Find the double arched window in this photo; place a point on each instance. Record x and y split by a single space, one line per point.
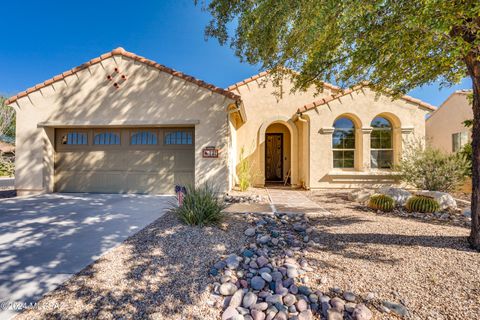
381 144
343 143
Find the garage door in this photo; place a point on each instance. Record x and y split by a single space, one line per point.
123 160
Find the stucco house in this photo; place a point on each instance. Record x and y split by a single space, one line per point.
123 123
445 129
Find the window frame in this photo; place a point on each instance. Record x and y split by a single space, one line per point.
154 131
391 149
343 150
61 132
461 135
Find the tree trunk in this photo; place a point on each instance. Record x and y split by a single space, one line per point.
473 65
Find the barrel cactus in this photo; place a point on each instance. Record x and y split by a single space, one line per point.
422 204
381 202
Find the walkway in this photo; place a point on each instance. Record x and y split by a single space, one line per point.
290 200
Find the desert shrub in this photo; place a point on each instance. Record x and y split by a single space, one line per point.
201 206
381 202
244 172
467 152
422 204
431 169
7 166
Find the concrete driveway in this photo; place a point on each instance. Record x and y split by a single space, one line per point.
45 239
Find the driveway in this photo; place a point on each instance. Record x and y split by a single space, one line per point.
45 239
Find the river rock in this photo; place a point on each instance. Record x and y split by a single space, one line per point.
361 312
227 289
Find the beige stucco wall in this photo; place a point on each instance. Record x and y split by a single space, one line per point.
147 97
312 165
447 120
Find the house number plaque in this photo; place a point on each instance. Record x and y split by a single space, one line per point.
210 152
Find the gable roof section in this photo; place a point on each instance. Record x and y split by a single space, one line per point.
331 98
264 74
457 92
122 52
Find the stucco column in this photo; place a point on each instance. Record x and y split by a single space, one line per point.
402 136
366 136
49 159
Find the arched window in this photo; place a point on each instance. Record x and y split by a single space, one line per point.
143 137
343 143
178 137
106 138
381 144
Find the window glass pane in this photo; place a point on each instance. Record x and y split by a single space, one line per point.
106 138
74 138
178 137
143 138
343 123
381 159
343 159
380 122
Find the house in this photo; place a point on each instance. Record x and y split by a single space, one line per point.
123 123
445 129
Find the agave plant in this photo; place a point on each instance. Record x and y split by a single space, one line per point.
381 202
201 206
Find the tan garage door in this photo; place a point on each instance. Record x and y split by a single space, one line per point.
124 160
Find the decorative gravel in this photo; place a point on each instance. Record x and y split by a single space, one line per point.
424 265
159 273
385 262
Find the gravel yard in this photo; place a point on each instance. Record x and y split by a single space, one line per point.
162 272
426 266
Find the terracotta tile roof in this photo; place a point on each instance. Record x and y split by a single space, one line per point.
346 92
122 52
263 74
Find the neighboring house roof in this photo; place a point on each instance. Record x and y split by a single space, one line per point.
6 147
120 51
457 92
344 93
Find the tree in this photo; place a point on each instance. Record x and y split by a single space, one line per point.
394 45
7 119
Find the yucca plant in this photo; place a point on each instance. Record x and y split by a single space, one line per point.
381 202
422 204
200 207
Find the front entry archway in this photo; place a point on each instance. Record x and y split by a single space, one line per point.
279 136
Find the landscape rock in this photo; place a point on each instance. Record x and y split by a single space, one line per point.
445 200
361 312
333 314
257 314
237 298
230 313
227 289
250 232
397 308
398 194
249 299
257 283
360 195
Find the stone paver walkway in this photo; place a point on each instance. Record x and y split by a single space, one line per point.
290 200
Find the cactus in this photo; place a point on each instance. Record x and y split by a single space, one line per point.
381 202
422 204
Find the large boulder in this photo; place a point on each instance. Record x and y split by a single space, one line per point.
360 195
398 194
444 199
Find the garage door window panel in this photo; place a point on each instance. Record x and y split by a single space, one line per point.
143 138
107 138
178 138
72 139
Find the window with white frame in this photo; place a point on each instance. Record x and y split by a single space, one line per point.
343 143
459 140
381 144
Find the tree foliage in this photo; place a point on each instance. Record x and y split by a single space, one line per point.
7 119
394 44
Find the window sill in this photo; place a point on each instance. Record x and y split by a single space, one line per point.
375 172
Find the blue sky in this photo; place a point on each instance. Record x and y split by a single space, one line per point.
40 39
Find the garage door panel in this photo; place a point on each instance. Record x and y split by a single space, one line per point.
123 168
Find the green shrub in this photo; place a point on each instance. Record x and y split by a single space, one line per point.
431 169
422 204
244 172
201 206
381 202
7 166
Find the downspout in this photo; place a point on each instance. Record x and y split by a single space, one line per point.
305 121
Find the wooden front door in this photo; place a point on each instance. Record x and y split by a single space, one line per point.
274 157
